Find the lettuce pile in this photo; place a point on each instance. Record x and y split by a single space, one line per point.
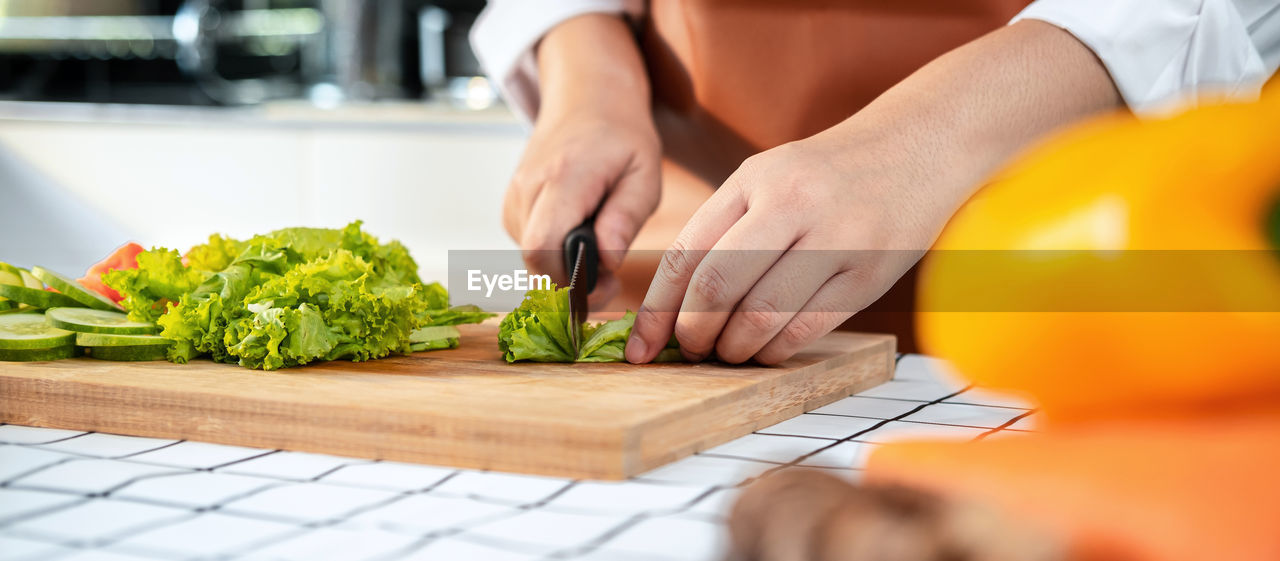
538 331
286 298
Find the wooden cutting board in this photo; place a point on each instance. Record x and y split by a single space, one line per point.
463 407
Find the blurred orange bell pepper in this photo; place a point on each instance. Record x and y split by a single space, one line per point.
1194 489
1125 268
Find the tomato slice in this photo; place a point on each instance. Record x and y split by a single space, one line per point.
124 257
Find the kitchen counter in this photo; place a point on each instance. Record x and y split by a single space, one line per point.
70 495
401 115
85 178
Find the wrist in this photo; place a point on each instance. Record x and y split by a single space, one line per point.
591 65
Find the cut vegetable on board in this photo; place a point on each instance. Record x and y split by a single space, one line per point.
31 331
538 331
97 321
129 353
27 337
286 298
74 290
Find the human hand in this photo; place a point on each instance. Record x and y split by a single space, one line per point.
573 165
594 149
802 514
800 237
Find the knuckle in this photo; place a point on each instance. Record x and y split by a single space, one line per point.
675 261
802 328
709 285
760 316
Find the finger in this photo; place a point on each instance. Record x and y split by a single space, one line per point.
657 316
560 207
775 299
829 307
727 273
515 206
625 209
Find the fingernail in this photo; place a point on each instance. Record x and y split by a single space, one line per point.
635 351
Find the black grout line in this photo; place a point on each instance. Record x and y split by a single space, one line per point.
762 433
43 443
853 437
1006 425
35 470
899 420
147 451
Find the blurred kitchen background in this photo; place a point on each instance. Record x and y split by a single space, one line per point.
163 121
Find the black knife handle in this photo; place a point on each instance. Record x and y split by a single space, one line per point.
585 232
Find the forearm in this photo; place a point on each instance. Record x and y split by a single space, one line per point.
592 63
959 118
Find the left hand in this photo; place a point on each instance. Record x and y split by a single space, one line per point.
801 237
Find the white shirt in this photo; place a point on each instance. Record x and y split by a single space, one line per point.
1161 54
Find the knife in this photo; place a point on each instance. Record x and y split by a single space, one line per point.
582 262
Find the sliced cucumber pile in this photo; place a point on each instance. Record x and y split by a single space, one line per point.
110 335
434 337
74 290
23 288
28 337
84 320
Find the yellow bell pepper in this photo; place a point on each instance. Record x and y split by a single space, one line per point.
1125 268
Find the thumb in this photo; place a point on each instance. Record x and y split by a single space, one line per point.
625 209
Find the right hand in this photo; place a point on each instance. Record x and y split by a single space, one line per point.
578 161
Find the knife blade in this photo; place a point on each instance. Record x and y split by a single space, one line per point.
582 259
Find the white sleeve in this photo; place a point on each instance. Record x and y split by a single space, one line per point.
1166 54
507 31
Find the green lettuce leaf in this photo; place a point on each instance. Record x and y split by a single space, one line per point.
160 278
538 331
330 308
214 255
288 298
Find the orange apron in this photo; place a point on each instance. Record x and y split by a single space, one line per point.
731 78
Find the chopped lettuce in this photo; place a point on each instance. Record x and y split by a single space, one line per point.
160 278
287 298
538 331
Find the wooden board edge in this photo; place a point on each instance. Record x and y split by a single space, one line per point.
879 361
78 405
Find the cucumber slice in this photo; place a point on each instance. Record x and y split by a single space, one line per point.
437 344
433 332
37 298
97 321
74 290
130 352
30 280
31 355
10 274
6 304
31 331
113 340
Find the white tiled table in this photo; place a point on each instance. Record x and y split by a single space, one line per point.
75 496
